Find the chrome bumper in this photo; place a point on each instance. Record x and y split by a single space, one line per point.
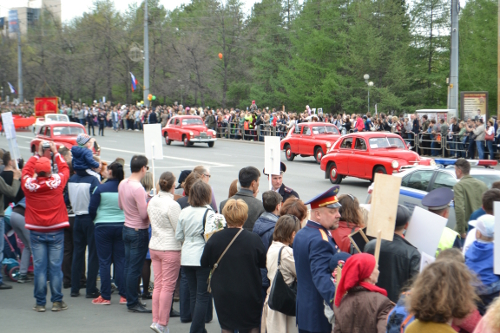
203 140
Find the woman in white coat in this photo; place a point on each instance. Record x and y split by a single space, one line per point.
284 232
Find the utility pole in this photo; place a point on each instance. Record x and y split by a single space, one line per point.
146 56
455 6
498 64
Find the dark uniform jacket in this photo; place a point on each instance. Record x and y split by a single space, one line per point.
313 247
286 192
399 262
255 207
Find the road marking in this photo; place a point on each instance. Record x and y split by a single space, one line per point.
213 164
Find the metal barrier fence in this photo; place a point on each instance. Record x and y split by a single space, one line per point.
236 131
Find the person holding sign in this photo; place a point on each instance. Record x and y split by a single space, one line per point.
313 248
278 186
399 260
438 202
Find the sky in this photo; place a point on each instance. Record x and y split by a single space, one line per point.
75 8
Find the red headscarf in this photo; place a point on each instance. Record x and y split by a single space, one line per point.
356 269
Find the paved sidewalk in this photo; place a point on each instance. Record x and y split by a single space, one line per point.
17 315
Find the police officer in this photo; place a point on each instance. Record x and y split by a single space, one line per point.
313 248
278 186
438 202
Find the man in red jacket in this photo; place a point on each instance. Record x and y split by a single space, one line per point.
46 217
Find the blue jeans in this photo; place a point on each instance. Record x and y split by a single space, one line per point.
2 232
83 236
136 247
199 296
491 152
480 149
110 248
435 151
185 301
115 125
48 250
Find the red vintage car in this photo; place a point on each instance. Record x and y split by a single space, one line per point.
309 139
363 154
189 130
62 134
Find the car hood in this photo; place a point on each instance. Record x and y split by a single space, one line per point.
401 154
197 128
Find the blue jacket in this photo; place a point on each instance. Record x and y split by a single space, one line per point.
313 248
479 259
83 158
80 186
103 207
264 227
477 214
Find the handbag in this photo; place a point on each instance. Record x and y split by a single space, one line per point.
209 288
282 297
489 137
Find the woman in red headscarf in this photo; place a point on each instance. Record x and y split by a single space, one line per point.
360 306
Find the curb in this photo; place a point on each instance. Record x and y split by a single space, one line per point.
241 141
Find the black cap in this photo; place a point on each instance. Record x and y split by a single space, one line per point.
282 169
403 216
183 176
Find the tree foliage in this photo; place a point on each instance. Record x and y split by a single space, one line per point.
282 53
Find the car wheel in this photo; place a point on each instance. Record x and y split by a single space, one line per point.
333 174
211 144
185 140
318 154
379 169
288 152
167 140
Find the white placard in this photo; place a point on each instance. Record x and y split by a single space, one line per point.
152 138
8 125
426 261
272 155
425 230
496 251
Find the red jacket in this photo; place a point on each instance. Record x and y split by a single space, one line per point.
359 124
45 207
341 235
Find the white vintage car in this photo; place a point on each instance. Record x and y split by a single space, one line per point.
49 118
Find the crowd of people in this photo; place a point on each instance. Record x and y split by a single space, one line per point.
267 265
434 136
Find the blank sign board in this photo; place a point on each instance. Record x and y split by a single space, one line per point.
496 253
384 206
272 155
152 138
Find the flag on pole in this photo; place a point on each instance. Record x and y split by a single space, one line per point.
134 81
12 90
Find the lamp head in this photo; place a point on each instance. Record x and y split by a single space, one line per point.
366 76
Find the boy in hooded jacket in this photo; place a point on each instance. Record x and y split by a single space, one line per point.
83 158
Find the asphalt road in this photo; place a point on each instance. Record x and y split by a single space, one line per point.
225 159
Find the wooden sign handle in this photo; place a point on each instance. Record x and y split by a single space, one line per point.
377 246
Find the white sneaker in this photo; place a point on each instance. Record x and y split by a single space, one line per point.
156 327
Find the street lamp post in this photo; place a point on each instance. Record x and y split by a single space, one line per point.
370 84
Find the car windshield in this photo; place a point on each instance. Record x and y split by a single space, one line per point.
192 121
67 130
325 130
487 179
386 142
57 117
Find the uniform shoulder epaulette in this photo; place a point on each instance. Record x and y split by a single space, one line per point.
288 189
323 235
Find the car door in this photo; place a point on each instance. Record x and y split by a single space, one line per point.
305 141
446 179
295 138
173 132
414 187
357 163
343 156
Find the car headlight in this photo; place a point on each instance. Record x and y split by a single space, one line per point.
328 145
433 163
395 164
191 133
